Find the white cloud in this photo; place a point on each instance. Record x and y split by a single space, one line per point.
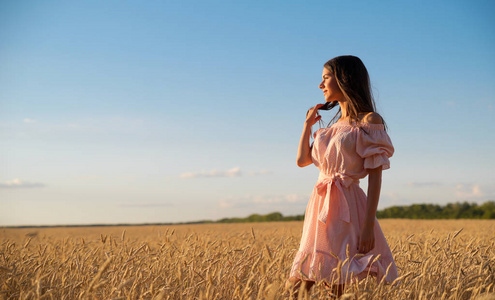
425 184
225 204
101 178
392 196
19 184
468 191
145 205
292 198
234 172
261 172
28 120
251 201
108 124
389 198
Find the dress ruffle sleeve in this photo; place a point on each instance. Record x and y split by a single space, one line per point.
374 145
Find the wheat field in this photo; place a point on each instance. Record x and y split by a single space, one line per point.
437 259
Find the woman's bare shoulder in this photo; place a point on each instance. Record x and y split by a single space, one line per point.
372 118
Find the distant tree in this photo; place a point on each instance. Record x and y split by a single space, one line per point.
273 217
463 210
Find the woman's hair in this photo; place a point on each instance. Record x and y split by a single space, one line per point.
354 82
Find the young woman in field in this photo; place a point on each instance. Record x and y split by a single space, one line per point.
342 240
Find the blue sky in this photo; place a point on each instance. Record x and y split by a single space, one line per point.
169 111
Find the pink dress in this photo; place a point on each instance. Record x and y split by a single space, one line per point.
337 207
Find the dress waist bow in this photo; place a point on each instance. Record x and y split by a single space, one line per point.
324 186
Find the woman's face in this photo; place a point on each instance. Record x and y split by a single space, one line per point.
330 88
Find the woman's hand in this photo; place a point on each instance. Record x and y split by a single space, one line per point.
367 237
366 240
304 150
312 115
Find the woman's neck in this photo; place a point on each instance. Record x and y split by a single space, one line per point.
343 110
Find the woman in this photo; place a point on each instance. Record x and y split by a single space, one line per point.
341 238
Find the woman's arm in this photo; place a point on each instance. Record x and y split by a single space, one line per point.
367 237
304 150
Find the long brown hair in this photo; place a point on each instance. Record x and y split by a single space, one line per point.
354 82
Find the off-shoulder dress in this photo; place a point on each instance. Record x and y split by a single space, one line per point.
336 210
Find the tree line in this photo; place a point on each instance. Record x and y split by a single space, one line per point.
272 217
463 210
